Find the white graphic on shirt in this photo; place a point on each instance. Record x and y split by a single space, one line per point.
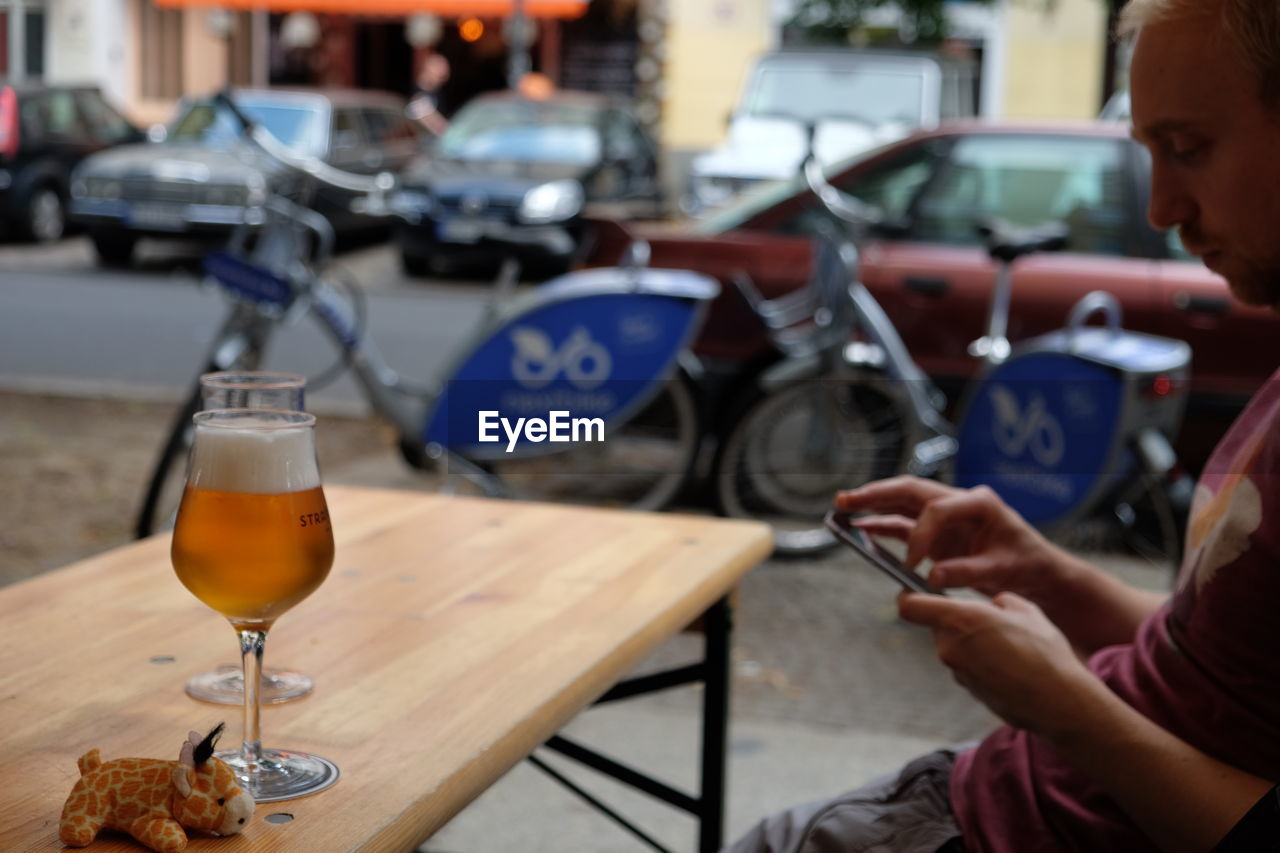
1221 523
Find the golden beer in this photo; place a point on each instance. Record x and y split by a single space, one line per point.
250 556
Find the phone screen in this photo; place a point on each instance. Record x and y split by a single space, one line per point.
858 540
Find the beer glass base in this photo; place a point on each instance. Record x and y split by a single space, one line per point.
282 774
225 686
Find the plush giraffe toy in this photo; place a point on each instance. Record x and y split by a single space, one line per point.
152 799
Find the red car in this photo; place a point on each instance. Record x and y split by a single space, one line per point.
934 278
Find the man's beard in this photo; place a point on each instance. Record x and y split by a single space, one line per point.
1255 284
1251 282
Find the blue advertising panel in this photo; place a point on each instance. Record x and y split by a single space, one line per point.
575 365
1040 432
246 280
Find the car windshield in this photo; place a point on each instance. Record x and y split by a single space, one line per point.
207 123
877 95
523 132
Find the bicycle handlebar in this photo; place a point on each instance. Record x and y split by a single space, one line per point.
841 204
377 185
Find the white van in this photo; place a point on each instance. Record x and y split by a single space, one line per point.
855 99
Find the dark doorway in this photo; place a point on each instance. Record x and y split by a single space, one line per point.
384 60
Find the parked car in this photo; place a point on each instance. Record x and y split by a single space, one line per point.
855 100
932 275
204 178
515 175
44 132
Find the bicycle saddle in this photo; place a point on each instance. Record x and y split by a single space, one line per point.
1008 242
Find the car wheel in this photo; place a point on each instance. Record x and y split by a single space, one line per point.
415 265
114 248
45 217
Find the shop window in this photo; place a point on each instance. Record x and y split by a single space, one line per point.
34 42
160 51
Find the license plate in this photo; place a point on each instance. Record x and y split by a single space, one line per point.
460 230
160 217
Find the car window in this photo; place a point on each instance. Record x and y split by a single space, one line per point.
1027 180
301 127
105 124
348 130
521 131
389 125
52 117
893 186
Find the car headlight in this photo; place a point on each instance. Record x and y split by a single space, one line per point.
551 202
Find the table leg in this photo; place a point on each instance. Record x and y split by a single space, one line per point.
713 671
715 725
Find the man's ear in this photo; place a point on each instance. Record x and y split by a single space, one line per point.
183 778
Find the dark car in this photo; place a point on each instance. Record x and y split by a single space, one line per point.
514 176
44 132
934 278
204 178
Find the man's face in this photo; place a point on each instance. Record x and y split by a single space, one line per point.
1215 150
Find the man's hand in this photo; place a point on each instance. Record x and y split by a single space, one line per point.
1009 655
974 539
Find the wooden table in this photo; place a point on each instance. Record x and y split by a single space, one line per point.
452 637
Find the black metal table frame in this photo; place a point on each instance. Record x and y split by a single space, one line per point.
709 806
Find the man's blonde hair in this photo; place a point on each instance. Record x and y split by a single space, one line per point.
1251 27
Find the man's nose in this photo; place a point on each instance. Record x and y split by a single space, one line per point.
1170 204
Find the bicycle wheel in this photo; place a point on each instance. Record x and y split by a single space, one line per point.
641 464
1152 512
793 449
164 488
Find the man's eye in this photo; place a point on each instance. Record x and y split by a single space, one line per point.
1186 153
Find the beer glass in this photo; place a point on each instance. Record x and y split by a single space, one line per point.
251 540
251 389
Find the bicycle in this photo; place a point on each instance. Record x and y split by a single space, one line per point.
866 411
606 344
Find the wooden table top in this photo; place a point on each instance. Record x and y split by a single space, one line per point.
452 637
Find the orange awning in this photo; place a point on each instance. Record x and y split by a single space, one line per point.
443 8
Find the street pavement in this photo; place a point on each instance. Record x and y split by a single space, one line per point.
829 688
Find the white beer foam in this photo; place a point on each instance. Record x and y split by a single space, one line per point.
254 461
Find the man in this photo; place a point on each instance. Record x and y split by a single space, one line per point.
424 104
1133 724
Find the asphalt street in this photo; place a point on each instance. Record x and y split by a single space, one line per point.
69 327
829 689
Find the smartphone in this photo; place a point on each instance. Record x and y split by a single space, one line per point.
857 539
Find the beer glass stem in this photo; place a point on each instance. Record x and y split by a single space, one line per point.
251 644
